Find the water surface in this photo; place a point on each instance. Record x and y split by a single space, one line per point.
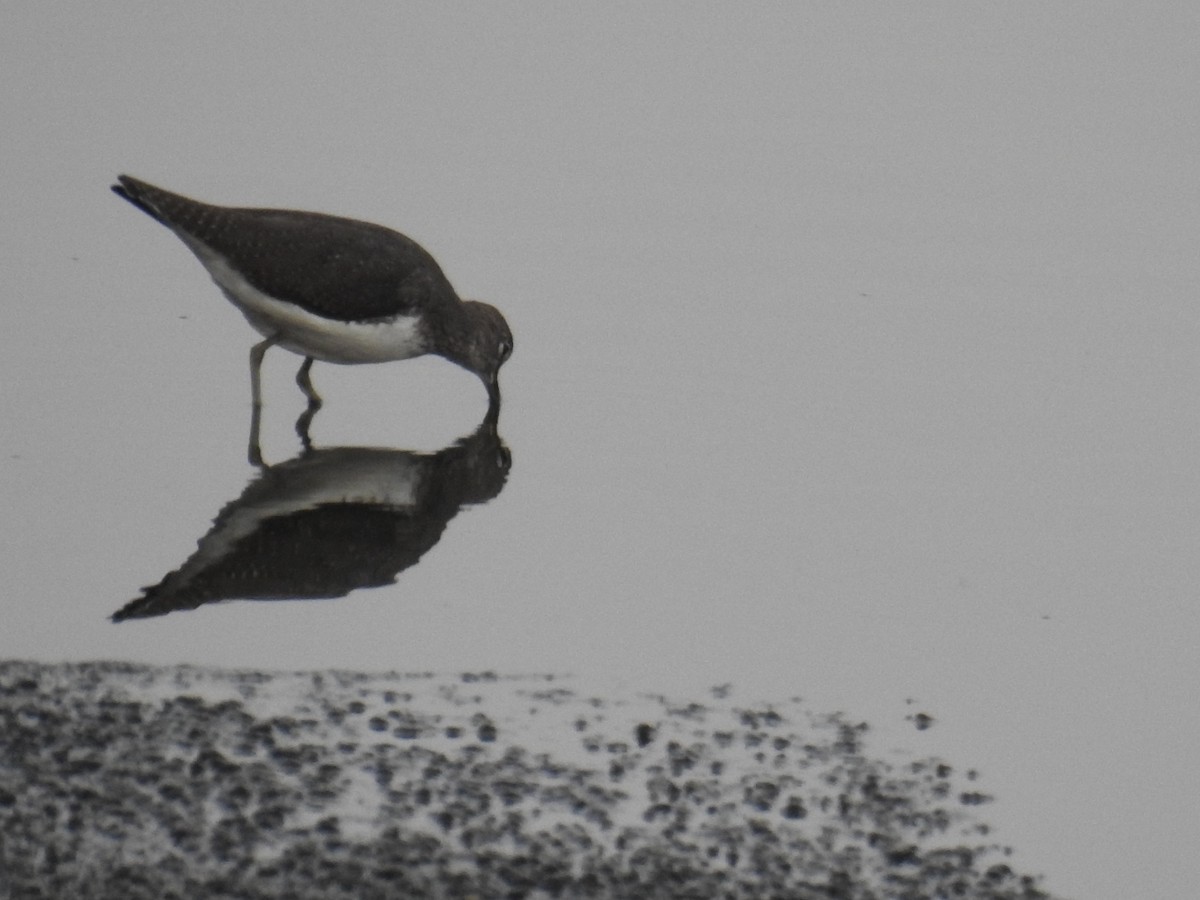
855 361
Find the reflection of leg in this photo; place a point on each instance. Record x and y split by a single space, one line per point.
305 381
314 402
254 454
302 424
256 357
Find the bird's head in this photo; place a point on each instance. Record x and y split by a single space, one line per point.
486 344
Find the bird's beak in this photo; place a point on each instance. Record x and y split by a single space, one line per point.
492 382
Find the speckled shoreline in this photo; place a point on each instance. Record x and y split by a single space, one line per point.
130 781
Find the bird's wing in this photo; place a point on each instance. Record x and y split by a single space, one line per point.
334 267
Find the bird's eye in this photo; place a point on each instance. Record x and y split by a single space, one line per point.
505 350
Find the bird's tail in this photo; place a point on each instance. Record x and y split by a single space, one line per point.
153 201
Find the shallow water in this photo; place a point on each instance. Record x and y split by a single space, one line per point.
855 361
146 782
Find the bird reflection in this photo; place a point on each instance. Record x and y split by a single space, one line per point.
329 521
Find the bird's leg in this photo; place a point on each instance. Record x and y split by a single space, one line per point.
305 381
254 454
314 402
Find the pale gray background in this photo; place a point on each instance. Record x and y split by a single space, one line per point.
856 359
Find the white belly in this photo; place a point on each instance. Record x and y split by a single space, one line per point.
300 331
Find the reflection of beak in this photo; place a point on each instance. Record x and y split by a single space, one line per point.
492 383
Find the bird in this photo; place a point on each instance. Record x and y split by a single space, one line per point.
330 288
